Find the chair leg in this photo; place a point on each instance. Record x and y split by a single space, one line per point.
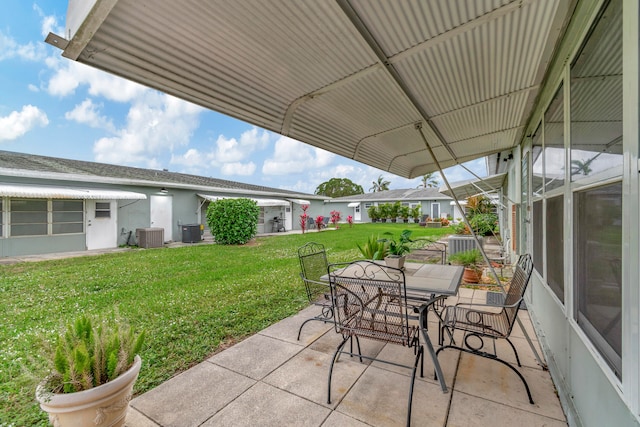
333 360
419 358
492 357
514 351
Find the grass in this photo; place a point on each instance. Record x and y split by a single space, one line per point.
191 301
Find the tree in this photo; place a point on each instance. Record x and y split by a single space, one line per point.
380 185
581 167
233 221
429 180
338 187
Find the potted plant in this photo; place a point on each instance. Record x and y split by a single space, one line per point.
394 211
94 370
415 214
470 260
397 248
373 213
383 211
404 213
374 249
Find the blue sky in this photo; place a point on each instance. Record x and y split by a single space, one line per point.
52 106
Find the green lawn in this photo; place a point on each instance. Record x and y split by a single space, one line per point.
189 300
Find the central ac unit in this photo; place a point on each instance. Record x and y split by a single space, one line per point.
150 237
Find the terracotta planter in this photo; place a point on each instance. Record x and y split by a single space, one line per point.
471 275
394 261
102 406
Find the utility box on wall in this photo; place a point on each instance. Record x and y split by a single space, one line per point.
150 237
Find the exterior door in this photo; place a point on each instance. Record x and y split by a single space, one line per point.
288 217
162 215
101 224
357 216
435 210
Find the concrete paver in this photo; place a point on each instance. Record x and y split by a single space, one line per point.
272 379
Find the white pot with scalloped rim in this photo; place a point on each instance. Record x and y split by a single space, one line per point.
102 406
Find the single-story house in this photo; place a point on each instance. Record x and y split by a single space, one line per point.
59 205
412 87
432 203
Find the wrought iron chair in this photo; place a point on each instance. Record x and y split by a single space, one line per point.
478 323
370 302
313 265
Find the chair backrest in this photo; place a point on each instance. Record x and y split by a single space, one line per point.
370 301
518 286
313 265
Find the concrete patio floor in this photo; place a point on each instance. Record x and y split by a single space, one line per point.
271 379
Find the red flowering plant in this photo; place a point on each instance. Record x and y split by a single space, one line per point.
350 220
335 218
304 218
319 222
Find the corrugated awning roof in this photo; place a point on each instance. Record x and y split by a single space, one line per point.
353 204
44 192
472 187
259 202
300 201
392 84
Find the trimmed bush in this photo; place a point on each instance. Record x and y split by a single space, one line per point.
233 221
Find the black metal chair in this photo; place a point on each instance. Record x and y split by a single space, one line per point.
481 323
313 265
370 302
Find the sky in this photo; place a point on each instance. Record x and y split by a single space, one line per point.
52 106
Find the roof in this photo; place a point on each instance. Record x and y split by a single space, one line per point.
407 87
472 187
29 165
407 194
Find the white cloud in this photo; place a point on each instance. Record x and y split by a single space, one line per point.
69 75
19 123
89 113
33 88
49 23
233 150
10 48
291 156
192 160
237 168
156 124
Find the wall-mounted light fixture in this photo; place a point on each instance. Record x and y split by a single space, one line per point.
164 190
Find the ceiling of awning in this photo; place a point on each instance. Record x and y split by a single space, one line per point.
44 192
391 84
472 187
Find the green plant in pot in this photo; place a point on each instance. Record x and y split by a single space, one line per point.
397 248
471 261
94 370
373 249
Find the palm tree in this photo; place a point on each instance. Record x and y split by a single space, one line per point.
380 185
581 167
429 180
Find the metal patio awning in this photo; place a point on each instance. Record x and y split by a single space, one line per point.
300 201
464 189
259 202
45 192
374 81
353 204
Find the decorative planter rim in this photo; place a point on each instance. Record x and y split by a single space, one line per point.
67 402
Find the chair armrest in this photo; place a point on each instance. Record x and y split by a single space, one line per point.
491 305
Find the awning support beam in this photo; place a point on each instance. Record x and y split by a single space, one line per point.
418 127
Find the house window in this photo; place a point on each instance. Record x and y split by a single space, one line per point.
555 245
554 156
103 210
598 257
28 217
368 205
68 216
596 171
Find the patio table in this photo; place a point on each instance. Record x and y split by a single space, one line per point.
426 285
